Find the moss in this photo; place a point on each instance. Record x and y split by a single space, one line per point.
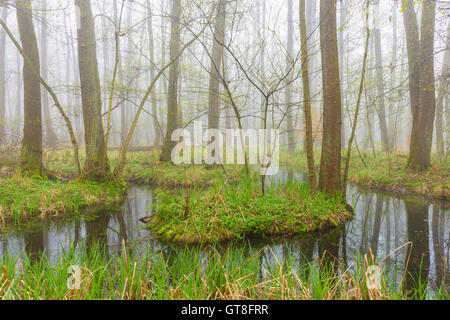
233 211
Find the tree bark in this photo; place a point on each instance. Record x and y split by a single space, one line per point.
50 135
216 62
96 165
443 90
31 154
2 80
172 100
307 98
330 162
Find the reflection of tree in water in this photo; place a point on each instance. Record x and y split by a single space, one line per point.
438 226
419 263
97 232
34 245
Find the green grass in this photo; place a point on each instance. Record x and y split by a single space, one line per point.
195 273
144 168
22 198
229 211
388 173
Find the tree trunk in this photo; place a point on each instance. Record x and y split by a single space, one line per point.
172 100
2 80
443 90
31 154
96 165
50 135
288 89
330 162
156 127
307 98
342 19
381 109
421 82
216 63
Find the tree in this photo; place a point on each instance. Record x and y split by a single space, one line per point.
2 80
307 97
443 87
172 100
31 154
49 132
330 162
216 60
421 81
288 89
381 109
96 165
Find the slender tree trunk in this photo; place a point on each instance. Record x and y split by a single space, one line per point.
172 100
381 109
288 89
443 91
96 165
330 162
50 135
307 98
2 79
156 127
216 62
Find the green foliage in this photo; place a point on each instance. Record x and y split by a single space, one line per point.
193 273
228 211
22 197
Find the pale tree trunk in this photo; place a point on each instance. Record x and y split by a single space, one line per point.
288 89
392 132
31 154
330 162
2 80
381 109
50 135
307 98
156 127
216 63
342 19
172 100
96 165
443 90
18 111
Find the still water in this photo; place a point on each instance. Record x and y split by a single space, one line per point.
381 222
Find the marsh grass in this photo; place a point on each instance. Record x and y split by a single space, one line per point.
229 211
22 198
388 173
144 167
194 273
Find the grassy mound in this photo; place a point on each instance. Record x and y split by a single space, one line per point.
230 211
22 198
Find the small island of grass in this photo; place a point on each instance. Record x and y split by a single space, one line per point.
232 211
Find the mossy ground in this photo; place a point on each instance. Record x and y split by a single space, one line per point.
389 173
229 211
22 198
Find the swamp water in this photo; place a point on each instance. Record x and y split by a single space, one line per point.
382 222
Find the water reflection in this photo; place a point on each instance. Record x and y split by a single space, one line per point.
381 222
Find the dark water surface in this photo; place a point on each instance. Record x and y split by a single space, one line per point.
382 222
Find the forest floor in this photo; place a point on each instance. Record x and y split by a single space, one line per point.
198 274
389 173
229 211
